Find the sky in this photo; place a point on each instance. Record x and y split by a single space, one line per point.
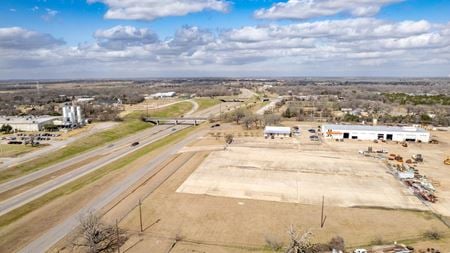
68 39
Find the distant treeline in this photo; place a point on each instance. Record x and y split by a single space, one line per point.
404 99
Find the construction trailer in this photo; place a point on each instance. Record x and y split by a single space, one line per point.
371 133
272 131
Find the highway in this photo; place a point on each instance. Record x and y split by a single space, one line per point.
113 147
51 237
112 154
9 162
107 154
55 145
117 147
55 234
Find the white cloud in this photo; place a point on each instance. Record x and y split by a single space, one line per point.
153 9
305 9
16 38
120 37
332 47
50 14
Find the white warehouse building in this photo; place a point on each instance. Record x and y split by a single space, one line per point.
27 123
277 131
367 132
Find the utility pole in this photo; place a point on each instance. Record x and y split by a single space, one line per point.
322 217
140 215
117 236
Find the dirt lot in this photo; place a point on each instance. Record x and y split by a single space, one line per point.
205 223
291 175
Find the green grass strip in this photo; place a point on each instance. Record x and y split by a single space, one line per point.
91 177
131 124
204 103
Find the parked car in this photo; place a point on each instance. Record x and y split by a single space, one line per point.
314 138
215 125
312 131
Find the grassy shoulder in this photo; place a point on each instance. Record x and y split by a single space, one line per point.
131 123
204 103
91 177
174 110
9 150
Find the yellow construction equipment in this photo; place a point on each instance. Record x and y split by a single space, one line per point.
447 161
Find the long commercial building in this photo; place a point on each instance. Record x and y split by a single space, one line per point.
367 132
277 131
27 123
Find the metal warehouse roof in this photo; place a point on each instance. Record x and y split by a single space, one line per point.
374 128
25 119
277 130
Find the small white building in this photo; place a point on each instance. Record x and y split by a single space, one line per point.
277 131
162 95
85 99
367 132
27 123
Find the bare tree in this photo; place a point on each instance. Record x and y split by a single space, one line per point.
271 119
238 114
299 243
249 120
94 236
337 243
229 138
274 243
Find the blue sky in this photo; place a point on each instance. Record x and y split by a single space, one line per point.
79 22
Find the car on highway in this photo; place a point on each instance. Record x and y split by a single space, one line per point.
134 144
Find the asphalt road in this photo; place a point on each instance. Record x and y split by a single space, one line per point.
117 148
44 242
9 162
113 154
113 147
55 145
55 234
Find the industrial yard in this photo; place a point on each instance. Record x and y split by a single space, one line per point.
180 173
296 176
257 187
298 170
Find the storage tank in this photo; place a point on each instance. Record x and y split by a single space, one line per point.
73 115
65 111
79 116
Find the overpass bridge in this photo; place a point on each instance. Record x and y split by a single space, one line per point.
176 121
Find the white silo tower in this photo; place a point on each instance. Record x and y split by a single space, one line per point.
79 116
73 119
66 117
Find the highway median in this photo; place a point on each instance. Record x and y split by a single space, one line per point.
73 186
131 124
